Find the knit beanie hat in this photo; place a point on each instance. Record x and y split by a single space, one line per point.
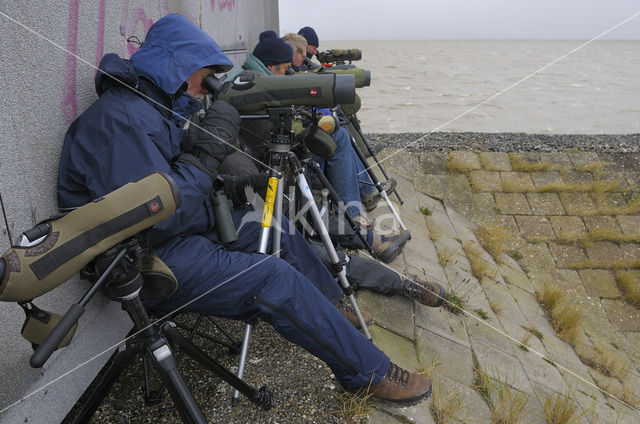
272 50
310 35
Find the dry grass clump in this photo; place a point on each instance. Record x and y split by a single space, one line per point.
353 406
496 307
430 369
494 238
480 267
629 282
435 232
524 343
604 234
595 168
593 264
445 256
507 405
592 187
518 163
446 405
459 165
605 359
632 208
565 316
561 409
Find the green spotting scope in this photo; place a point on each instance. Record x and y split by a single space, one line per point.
250 93
339 55
53 251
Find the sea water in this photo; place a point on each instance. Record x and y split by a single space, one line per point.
553 87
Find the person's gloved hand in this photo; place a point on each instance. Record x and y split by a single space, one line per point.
215 135
234 187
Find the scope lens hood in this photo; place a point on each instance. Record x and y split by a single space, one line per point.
344 91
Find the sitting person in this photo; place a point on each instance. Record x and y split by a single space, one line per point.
312 48
128 133
272 56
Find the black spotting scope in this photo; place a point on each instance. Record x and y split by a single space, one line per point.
339 55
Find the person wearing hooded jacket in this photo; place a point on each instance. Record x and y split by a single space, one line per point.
128 133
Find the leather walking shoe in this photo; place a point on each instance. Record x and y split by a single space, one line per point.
401 386
427 293
370 202
364 222
346 308
388 247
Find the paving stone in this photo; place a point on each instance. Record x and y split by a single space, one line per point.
545 204
376 416
559 158
615 176
535 228
512 204
433 185
568 225
536 257
439 226
413 413
442 322
430 202
630 224
541 179
482 207
485 180
454 360
467 159
608 223
457 220
609 200
391 312
500 297
543 393
566 255
403 163
577 203
400 350
516 277
604 252
576 177
622 315
579 159
433 162
599 283
516 181
539 370
507 221
489 332
630 251
495 161
418 250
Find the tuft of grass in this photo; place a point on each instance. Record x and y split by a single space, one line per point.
453 303
595 168
496 307
494 238
515 254
518 163
605 359
425 211
565 316
445 405
430 369
353 407
435 232
630 285
481 313
561 409
535 332
507 405
458 165
445 256
480 267
525 342
591 264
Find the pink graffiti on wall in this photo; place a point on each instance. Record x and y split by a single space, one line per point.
139 23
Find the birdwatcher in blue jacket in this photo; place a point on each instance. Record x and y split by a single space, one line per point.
129 133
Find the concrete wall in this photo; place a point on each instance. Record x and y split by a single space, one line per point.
42 90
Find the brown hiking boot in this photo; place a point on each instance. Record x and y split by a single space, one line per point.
388 247
370 202
401 386
427 293
346 308
364 222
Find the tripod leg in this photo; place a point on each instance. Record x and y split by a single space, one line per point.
354 121
376 182
326 240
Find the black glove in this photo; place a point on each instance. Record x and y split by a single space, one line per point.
214 136
234 187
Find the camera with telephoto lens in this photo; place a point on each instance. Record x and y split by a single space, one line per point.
339 55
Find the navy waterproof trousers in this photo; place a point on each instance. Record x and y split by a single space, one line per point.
295 294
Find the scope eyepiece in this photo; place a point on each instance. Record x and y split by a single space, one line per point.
212 84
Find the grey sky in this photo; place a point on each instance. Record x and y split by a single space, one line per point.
461 19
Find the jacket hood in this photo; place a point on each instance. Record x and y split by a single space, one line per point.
175 48
115 71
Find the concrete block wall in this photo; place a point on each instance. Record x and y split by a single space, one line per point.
43 88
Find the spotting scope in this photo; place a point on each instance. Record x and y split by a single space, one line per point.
339 55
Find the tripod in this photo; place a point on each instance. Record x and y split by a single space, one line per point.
282 138
122 282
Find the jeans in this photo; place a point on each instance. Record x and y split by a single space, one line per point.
342 170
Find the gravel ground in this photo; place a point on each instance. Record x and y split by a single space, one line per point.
510 142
